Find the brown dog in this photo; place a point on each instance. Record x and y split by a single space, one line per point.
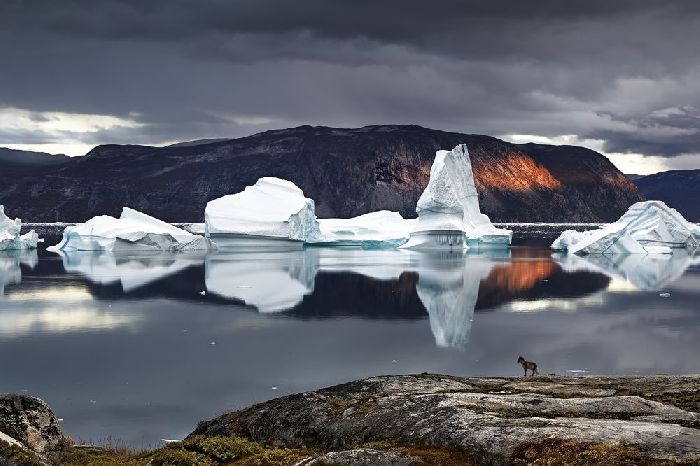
528 365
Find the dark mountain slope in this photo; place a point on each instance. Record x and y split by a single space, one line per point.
588 178
347 171
679 189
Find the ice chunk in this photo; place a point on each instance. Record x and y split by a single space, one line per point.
132 231
370 231
10 238
647 227
271 208
448 210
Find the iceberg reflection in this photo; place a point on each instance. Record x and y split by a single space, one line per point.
10 266
644 271
132 271
332 282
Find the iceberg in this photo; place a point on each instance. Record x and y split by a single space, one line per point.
133 231
374 230
271 209
448 210
649 227
10 238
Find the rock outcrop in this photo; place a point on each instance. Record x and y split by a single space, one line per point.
348 172
489 419
28 424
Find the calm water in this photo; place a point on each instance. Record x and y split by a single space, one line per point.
140 348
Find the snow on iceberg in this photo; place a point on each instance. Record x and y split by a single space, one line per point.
132 231
272 208
10 238
649 227
370 231
448 210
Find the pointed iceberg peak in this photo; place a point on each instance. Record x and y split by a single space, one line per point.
648 227
448 210
10 238
272 208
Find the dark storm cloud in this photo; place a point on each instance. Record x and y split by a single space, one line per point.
597 69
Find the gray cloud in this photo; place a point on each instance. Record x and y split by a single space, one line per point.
597 69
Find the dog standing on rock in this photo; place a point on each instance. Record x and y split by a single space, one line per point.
528 365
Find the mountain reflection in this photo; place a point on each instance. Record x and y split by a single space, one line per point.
329 283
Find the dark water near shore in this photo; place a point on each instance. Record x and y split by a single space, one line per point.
141 348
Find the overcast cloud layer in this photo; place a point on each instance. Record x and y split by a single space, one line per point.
619 76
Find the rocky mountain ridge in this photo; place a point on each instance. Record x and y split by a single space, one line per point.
347 172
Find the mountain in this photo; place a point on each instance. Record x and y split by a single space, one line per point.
346 171
634 177
26 162
679 189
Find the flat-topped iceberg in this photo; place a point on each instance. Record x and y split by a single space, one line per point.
10 238
448 210
132 231
272 209
647 227
373 230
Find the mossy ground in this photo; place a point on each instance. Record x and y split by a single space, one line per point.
558 452
205 451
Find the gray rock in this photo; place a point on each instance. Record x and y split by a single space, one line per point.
485 417
363 457
31 422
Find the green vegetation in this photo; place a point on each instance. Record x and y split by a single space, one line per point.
12 454
206 451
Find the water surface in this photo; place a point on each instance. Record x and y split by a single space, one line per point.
141 348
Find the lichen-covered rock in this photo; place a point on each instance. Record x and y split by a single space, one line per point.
363 457
30 427
488 419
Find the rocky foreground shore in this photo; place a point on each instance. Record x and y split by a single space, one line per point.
414 419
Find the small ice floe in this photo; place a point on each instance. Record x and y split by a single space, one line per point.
202 293
93 401
665 295
577 371
212 343
169 440
245 286
394 361
274 388
60 419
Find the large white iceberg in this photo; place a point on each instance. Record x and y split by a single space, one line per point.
448 210
647 227
271 209
373 230
10 238
132 231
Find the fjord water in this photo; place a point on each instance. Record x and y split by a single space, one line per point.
140 348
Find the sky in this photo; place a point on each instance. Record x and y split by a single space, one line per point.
621 77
